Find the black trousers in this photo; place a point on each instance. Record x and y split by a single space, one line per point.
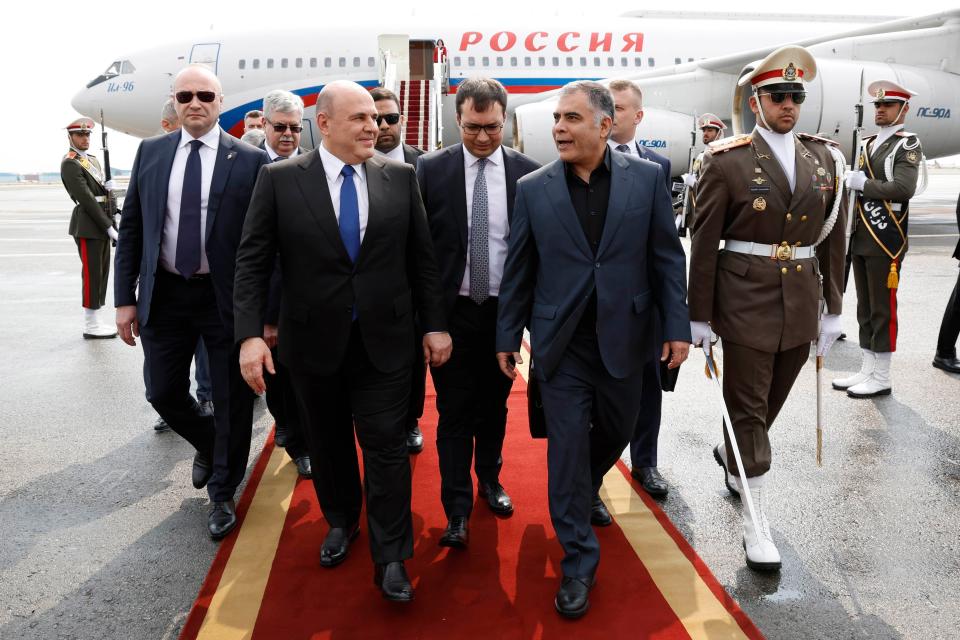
418 381
581 391
950 325
379 403
643 444
181 312
472 402
282 403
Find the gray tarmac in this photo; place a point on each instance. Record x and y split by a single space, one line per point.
102 536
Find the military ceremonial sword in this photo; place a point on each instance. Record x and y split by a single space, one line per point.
819 412
712 373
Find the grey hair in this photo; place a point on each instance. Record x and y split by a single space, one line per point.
282 101
168 112
254 137
601 100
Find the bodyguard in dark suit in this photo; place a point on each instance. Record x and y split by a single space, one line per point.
593 254
946 356
182 218
390 123
468 191
357 261
628 102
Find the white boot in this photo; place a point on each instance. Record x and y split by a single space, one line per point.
94 329
762 554
866 368
878 384
720 455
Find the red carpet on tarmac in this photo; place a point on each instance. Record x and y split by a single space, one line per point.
266 582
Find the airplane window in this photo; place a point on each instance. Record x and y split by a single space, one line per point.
299 63
499 61
542 61
242 64
569 61
269 63
583 61
356 61
256 63
649 62
677 61
371 61
689 59
313 62
456 61
527 61
327 62
127 67
623 62
486 61
596 61
342 62
556 61
284 62
610 62
471 61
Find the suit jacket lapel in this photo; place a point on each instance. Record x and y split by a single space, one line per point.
559 196
804 168
312 181
510 173
221 171
168 149
771 166
620 188
458 190
379 201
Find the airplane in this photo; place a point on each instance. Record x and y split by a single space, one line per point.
685 63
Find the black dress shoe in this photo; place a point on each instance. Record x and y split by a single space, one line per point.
949 364
222 519
202 470
599 516
392 580
572 599
651 481
161 425
414 439
497 498
455 535
282 436
304 468
206 408
337 544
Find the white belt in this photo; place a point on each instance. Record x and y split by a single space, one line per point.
782 251
100 198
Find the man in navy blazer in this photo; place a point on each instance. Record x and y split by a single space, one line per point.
628 103
181 224
593 254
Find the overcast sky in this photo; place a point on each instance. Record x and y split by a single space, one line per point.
52 49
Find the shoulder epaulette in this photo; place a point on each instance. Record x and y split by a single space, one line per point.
70 155
904 134
725 144
813 138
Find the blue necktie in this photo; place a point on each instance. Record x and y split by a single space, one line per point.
188 233
349 214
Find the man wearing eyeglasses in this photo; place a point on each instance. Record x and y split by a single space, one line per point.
468 191
390 144
283 122
182 217
774 198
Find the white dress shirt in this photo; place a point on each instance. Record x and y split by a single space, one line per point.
883 135
631 147
332 166
498 225
171 221
274 155
394 154
784 150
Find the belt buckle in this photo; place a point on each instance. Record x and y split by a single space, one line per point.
784 252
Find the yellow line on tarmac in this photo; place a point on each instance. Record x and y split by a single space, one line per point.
236 603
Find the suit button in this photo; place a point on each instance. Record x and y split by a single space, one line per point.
803 218
597 265
783 271
789 217
799 267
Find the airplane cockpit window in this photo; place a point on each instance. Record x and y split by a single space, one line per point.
115 69
127 67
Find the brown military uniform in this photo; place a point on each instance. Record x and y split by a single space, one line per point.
766 309
83 179
876 301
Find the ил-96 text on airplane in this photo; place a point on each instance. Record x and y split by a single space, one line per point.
685 64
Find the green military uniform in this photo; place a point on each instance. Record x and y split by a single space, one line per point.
83 179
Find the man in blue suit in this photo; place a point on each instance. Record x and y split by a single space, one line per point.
182 219
593 252
628 105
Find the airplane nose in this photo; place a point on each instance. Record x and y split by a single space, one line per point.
82 103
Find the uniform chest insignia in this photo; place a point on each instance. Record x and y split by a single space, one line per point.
764 156
757 170
806 154
758 180
912 156
821 171
760 204
759 189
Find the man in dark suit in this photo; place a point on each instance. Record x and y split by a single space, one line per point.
390 123
946 356
357 261
182 218
593 255
628 103
468 191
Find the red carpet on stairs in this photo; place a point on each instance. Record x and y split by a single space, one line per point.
502 586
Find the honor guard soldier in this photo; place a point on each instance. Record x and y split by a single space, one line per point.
773 197
91 225
712 128
886 178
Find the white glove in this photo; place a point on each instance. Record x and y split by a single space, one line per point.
109 185
701 335
855 180
112 233
830 329
689 179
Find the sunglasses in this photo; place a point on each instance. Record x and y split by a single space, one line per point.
280 127
391 118
797 96
186 97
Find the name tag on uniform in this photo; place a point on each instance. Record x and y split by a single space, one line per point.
759 189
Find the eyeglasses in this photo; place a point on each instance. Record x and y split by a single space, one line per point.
797 96
475 129
391 118
280 127
186 97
